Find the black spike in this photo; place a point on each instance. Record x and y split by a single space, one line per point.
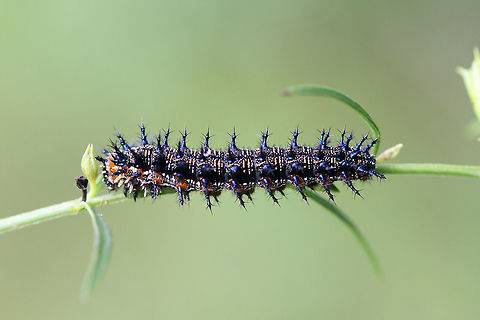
159 140
363 171
179 148
353 153
345 140
206 139
349 183
342 137
143 134
322 135
241 201
100 159
181 196
264 140
182 144
208 202
370 145
360 143
299 188
239 197
323 143
122 141
377 174
206 194
349 139
326 188
135 194
233 141
166 135
119 155
114 146
294 139
271 194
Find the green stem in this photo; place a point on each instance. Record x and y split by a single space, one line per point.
55 211
437 169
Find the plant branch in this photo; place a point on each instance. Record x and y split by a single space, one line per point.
55 211
437 169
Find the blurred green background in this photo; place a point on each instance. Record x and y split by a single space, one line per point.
73 71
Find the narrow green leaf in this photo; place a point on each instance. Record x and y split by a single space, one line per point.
350 225
314 90
102 247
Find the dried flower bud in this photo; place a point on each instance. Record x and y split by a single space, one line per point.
390 153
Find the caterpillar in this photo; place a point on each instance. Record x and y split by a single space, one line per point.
150 166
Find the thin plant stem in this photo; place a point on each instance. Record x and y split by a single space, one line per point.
55 211
437 169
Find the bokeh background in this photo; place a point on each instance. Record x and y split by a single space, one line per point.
71 72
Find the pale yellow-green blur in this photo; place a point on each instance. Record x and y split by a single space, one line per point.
471 78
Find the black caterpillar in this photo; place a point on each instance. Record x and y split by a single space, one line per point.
151 166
